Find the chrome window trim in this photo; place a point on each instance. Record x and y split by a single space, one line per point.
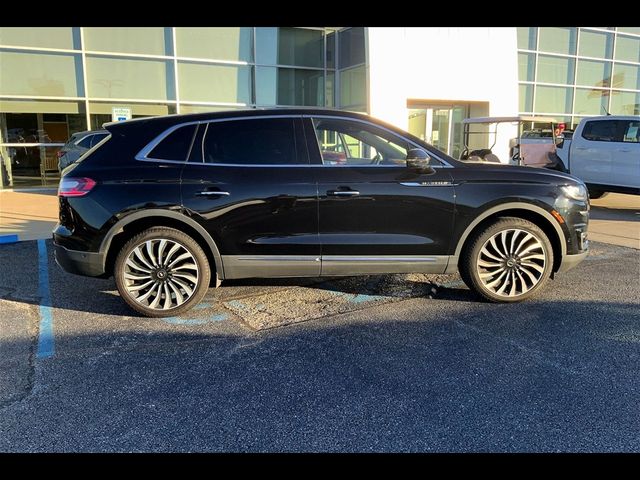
83 138
146 150
142 155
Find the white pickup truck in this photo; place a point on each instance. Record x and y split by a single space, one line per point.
604 152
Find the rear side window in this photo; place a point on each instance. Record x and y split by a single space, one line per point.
175 146
85 142
251 142
604 130
97 138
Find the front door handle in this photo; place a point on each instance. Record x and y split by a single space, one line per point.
624 150
212 192
343 193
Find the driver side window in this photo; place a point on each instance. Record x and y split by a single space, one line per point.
351 143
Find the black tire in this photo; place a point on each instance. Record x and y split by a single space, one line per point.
595 194
524 268
175 277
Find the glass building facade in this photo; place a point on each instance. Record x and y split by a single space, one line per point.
55 81
574 72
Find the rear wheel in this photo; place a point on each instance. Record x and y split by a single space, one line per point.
162 272
508 261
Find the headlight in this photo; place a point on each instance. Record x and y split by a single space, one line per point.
575 192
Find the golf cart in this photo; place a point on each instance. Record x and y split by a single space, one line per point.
532 147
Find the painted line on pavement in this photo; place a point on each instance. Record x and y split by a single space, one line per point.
46 345
9 238
195 321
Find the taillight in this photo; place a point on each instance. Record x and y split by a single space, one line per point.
75 187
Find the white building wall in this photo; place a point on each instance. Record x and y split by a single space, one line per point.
465 64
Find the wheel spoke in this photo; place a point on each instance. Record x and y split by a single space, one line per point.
531 276
146 295
512 292
497 280
523 242
533 256
186 266
513 240
186 276
535 266
136 288
184 286
486 253
491 274
161 247
503 238
495 247
486 264
172 250
135 266
156 300
184 256
167 298
151 256
131 276
140 256
179 296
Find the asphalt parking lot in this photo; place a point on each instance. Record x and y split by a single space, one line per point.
380 363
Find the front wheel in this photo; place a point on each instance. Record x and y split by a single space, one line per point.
508 261
162 272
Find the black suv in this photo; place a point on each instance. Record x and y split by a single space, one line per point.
170 205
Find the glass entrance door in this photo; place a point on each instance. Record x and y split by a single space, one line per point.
441 126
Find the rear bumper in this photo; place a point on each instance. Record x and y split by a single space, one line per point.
570 261
89 264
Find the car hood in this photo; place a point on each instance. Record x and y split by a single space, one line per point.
484 171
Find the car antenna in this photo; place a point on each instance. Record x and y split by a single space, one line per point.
605 110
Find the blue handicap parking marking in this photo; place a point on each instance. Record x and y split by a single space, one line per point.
219 317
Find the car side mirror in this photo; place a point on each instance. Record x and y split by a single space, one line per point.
418 159
559 142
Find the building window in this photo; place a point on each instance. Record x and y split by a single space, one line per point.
214 83
129 78
220 43
143 40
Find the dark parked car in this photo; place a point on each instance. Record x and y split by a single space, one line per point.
171 204
77 145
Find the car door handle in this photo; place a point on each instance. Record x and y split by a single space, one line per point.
343 193
581 148
212 192
624 150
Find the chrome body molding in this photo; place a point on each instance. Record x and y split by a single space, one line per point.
266 266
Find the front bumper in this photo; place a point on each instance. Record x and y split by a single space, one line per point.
570 261
89 264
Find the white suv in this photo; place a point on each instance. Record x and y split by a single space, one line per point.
605 154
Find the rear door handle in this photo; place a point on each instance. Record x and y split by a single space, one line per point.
343 193
581 148
624 150
212 192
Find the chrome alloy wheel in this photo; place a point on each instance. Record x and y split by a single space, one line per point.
511 262
161 274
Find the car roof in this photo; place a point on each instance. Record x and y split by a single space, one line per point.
88 132
249 112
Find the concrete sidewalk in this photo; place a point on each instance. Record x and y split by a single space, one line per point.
32 214
28 214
